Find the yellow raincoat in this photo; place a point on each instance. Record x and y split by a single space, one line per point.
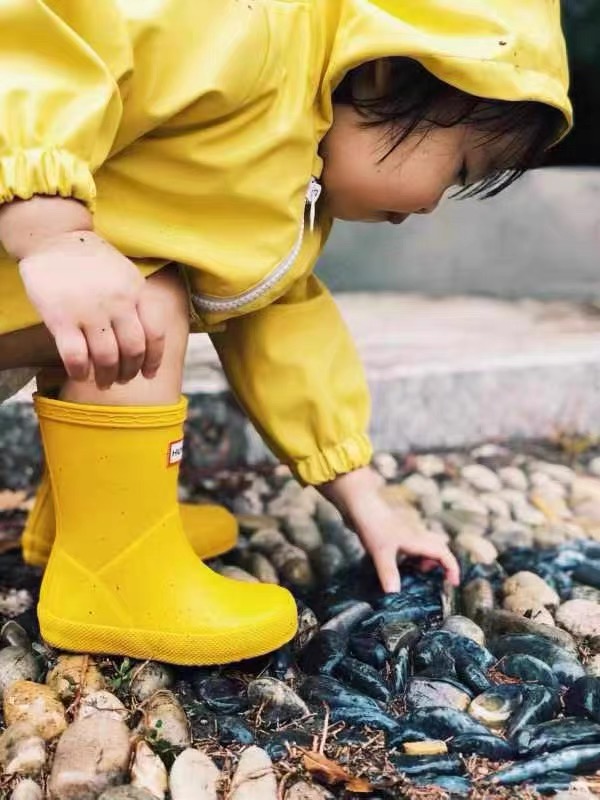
191 128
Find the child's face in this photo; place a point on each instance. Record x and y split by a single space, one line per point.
411 180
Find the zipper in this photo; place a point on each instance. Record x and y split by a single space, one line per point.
205 302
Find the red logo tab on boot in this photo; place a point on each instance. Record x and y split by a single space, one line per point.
175 453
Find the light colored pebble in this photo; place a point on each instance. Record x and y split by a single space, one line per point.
307 791
148 771
528 605
36 704
594 466
478 549
293 565
14 602
17 664
481 478
464 626
585 487
497 506
431 505
91 755
254 777
529 515
302 531
104 704
419 486
557 472
22 750
27 790
386 465
14 634
194 776
429 465
126 792
507 534
580 617
235 573
530 582
553 508
75 674
165 719
463 500
513 478
267 540
515 498
548 536
150 677
492 710
259 565
583 592
478 598
279 702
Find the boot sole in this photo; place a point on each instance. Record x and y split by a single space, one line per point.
173 648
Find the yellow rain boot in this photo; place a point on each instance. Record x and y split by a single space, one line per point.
122 576
212 530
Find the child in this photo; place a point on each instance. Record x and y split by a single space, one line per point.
136 136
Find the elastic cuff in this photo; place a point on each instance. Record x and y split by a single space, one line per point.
352 453
46 172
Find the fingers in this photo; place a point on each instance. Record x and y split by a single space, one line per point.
441 554
131 342
386 564
104 353
73 350
154 331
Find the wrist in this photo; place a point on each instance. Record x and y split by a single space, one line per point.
27 225
356 494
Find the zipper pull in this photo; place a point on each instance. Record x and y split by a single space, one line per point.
312 198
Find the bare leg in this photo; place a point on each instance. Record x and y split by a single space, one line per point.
34 347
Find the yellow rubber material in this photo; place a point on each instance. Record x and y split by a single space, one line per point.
212 530
122 577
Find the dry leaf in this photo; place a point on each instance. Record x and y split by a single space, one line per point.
333 773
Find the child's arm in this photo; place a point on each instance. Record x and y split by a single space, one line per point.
295 370
60 111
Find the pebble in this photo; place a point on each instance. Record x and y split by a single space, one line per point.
222 695
417 486
104 704
386 465
549 536
582 592
92 755
278 701
126 792
235 573
307 791
478 549
165 719
27 790
149 677
294 567
507 534
14 602
529 515
478 598
425 692
594 466
493 709
14 634
22 750
531 583
592 668
302 531
36 704
464 626
254 777
348 619
259 565
148 771
557 472
528 605
194 776
579 617
427 748
513 478
328 561
75 675
429 465
497 506
17 663
481 478
463 500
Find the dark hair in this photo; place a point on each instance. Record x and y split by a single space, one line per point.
405 98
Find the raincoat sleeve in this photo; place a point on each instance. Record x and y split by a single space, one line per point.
59 103
294 369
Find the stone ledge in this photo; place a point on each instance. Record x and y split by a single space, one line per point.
444 373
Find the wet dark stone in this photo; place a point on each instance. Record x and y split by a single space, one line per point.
561 582
369 650
349 619
324 689
435 723
583 698
371 718
277 744
462 650
434 660
578 760
363 678
589 548
494 573
485 745
400 670
428 765
281 662
540 704
222 695
232 730
552 783
455 785
323 653
568 558
426 692
415 611
474 678
565 667
528 669
588 573
400 601
398 635
557 734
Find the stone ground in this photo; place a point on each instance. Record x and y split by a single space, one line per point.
544 497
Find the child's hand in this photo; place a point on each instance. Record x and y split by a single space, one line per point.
90 297
387 532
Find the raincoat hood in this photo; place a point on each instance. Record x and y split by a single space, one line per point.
497 49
